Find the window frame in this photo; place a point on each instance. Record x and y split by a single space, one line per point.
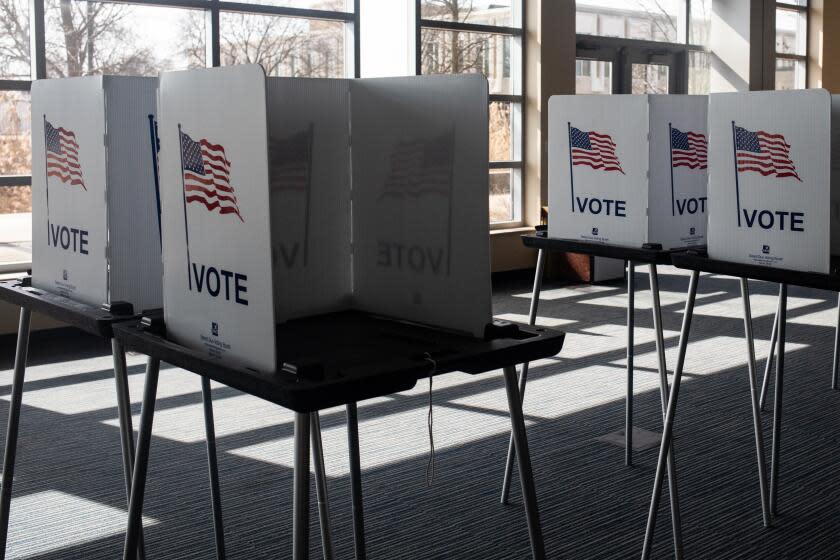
801 58
211 9
516 34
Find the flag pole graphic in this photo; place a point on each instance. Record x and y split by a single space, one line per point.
184 192
154 139
671 157
571 167
737 186
47 176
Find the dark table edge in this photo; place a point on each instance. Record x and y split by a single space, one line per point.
88 318
702 263
301 395
644 255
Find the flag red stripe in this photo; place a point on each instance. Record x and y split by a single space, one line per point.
64 170
67 179
190 176
216 155
595 157
210 193
766 160
217 167
600 144
773 136
601 166
72 162
214 205
606 137
219 178
72 148
769 172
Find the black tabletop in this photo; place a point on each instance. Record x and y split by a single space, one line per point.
338 358
700 261
94 320
648 254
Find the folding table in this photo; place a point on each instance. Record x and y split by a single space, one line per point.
98 322
339 359
698 262
653 256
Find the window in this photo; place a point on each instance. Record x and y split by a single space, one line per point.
791 44
651 46
593 76
483 36
312 38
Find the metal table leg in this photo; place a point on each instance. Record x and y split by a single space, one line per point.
213 468
523 455
835 368
777 404
676 523
628 414
523 377
126 429
300 522
756 411
141 461
321 486
768 367
356 482
12 429
668 428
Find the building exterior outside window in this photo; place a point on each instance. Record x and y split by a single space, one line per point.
483 36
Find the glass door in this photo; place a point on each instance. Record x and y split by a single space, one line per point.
603 68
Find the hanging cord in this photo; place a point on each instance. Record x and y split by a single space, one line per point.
430 466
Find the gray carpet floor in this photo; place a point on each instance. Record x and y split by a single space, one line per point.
69 498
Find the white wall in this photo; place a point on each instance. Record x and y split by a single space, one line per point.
387 38
730 45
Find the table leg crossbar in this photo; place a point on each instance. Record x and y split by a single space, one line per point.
676 523
523 376
10 453
768 495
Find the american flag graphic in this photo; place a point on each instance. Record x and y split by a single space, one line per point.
421 166
594 149
689 149
764 153
207 176
63 155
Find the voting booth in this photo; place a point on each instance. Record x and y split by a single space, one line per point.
95 217
628 169
773 199
284 198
